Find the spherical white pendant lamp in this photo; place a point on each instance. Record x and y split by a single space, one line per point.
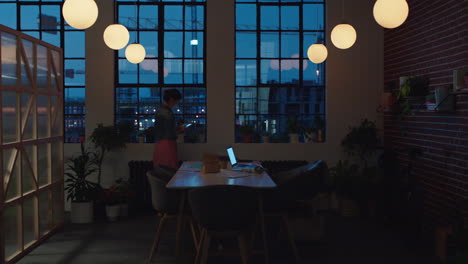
391 13
135 53
343 36
317 53
116 36
80 14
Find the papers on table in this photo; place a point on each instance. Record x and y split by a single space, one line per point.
191 166
234 174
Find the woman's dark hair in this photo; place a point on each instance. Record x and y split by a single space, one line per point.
172 94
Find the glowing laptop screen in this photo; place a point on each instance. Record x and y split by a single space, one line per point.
231 155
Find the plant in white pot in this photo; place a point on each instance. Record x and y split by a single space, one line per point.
112 201
79 190
110 138
319 125
141 137
266 137
293 128
310 134
125 193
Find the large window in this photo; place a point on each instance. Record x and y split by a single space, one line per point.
173 34
42 19
276 85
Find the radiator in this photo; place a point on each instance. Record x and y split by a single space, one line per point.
139 182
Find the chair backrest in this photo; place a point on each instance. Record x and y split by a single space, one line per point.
163 199
224 207
303 183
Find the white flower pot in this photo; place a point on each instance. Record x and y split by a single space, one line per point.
113 212
124 210
294 138
81 212
310 137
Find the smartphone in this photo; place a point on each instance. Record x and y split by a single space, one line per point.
187 125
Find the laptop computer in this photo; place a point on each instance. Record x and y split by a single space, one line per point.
235 164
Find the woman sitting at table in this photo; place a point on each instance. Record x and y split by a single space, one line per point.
165 148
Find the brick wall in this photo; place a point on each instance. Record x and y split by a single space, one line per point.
433 42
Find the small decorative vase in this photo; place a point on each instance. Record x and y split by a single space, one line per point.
320 137
113 212
310 137
266 139
141 139
124 210
294 138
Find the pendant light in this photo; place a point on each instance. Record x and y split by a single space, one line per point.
317 53
135 53
80 14
116 36
391 13
343 35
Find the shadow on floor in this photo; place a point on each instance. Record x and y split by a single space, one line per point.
128 241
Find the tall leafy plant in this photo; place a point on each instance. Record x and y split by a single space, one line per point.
79 168
108 138
361 141
293 126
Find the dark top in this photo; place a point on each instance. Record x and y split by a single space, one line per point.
165 124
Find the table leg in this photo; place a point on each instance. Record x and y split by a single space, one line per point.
180 220
262 227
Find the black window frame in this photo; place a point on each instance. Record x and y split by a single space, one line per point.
320 89
160 83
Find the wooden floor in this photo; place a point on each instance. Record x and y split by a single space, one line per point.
128 241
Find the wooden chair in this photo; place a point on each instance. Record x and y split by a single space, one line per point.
166 203
224 211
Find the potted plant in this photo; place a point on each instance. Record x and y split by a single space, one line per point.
413 89
345 180
79 189
247 132
124 193
430 102
266 137
319 125
112 202
293 128
108 138
361 143
141 137
149 134
310 134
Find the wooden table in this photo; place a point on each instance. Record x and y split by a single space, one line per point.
189 176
